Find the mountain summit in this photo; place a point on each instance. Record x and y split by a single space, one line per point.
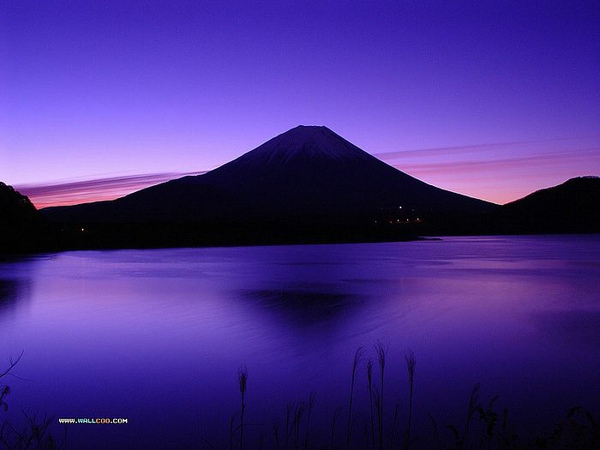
310 170
303 143
304 179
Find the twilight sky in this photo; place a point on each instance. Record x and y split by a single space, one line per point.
489 99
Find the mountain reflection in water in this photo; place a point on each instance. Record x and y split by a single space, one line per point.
158 336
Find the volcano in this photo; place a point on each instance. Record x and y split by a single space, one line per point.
307 177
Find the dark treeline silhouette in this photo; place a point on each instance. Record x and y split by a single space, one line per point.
307 185
22 228
572 207
568 208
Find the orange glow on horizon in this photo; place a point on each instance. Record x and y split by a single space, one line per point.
67 193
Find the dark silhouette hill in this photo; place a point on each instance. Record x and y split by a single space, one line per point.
305 172
307 184
571 207
21 226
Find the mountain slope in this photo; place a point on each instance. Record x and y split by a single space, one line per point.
312 170
305 185
305 173
571 207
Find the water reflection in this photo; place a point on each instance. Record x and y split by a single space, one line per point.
575 329
12 293
158 335
302 307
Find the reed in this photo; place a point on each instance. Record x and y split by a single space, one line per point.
357 357
35 432
489 417
243 380
298 413
370 387
394 424
471 410
311 401
336 415
483 428
5 390
276 434
288 415
381 351
231 431
410 365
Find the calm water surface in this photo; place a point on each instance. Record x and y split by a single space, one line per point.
158 336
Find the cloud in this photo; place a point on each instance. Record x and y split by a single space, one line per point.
71 192
548 162
580 143
501 172
498 172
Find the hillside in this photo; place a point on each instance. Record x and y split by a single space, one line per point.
571 207
21 227
305 185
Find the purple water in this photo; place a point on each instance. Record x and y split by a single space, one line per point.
158 336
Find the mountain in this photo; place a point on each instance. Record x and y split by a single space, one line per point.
308 171
307 184
20 222
571 207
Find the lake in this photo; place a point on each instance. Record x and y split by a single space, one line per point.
158 337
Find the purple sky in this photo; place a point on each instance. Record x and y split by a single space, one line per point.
489 99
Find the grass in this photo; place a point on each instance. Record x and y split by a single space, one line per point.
483 427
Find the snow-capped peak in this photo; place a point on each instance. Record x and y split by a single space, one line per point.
305 142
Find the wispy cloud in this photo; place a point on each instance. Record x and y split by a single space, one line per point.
498 172
493 148
71 192
501 172
546 161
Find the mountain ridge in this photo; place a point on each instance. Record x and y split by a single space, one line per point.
307 172
570 207
303 141
306 185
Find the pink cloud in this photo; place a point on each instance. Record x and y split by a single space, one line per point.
83 191
493 148
501 172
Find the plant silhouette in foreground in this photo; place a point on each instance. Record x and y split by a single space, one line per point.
243 380
381 351
357 357
578 430
410 365
34 433
370 387
483 428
